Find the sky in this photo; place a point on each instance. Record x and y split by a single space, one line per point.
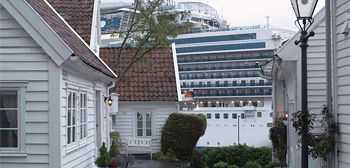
253 12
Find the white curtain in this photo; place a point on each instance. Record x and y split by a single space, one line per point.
10 102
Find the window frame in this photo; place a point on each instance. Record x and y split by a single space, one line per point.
20 86
144 124
79 142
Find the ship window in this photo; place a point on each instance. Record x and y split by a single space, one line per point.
234 116
217 115
258 114
225 116
242 115
208 115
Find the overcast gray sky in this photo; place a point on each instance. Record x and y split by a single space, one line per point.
253 12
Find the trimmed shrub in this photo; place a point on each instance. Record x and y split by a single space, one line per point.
198 160
237 155
104 159
272 165
181 133
252 164
278 137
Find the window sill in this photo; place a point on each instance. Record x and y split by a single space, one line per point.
13 154
77 146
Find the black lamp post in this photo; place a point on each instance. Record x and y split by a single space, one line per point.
304 10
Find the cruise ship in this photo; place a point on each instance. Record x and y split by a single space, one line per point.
116 17
218 77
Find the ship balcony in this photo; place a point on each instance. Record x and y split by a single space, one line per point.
215 68
220 76
227 85
210 95
204 60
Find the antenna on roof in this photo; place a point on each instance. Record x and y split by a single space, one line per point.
267 20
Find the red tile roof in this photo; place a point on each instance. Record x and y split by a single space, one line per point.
78 14
141 83
79 47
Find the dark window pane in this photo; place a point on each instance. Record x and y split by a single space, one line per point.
8 138
234 116
8 119
8 98
68 135
148 132
139 132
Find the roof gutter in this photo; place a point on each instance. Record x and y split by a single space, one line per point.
85 66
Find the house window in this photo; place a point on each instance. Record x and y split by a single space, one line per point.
144 124
9 116
258 114
234 116
76 116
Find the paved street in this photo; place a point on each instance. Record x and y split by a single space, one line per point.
144 161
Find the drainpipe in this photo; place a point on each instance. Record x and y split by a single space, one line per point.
329 70
108 117
335 82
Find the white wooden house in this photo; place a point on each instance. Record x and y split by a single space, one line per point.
146 98
52 90
341 80
286 75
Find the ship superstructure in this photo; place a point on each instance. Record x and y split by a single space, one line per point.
218 77
116 17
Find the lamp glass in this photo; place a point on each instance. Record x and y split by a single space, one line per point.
304 9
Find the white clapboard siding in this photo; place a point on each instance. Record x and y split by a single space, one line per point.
343 82
85 155
317 73
22 59
126 122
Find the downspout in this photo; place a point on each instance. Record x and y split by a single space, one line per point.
335 82
329 70
109 119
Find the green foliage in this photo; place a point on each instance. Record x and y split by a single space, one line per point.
232 166
169 155
115 143
278 137
148 31
237 155
104 159
181 133
221 164
321 146
272 165
113 151
198 160
252 164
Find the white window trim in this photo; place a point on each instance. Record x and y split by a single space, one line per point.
153 125
20 86
79 143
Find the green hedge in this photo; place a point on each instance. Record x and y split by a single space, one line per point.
181 133
237 155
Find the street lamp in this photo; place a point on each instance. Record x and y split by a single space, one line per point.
304 10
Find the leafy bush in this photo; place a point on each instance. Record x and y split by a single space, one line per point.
237 155
198 160
252 164
272 165
181 133
169 155
113 151
232 166
104 159
220 164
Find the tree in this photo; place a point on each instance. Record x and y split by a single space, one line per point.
148 31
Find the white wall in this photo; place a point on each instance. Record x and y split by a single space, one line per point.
126 118
342 80
21 59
